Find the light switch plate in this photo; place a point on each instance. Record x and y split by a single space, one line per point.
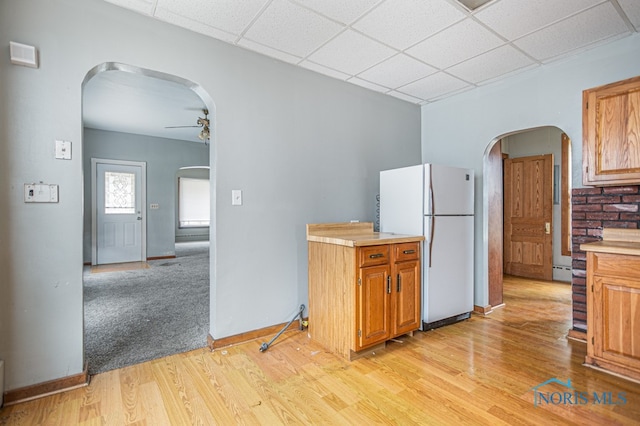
236 197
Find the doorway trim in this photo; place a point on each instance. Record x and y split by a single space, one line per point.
94 203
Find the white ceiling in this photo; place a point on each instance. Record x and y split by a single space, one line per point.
416 50
123 100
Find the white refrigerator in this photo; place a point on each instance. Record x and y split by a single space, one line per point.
437 202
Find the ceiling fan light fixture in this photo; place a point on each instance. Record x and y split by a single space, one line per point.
204 134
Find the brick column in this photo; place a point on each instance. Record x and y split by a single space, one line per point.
593 209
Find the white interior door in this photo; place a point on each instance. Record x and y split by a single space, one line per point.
118 212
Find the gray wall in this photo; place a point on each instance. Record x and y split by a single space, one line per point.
546 96
164 157
303 148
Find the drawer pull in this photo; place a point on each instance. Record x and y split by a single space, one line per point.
376 255
408 251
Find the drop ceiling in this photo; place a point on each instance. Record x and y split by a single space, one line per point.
416 50
420 51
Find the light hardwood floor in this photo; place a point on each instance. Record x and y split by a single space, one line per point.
480 371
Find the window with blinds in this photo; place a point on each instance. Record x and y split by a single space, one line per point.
193 202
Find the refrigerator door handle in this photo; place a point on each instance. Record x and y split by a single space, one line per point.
433 226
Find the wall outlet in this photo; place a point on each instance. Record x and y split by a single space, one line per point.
63 150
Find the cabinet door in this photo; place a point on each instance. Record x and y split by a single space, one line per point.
616 319
611 133
373 322
407 297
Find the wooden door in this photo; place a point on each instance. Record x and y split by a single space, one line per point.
374 316
528 216
407 297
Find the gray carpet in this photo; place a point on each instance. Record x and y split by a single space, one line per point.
140 315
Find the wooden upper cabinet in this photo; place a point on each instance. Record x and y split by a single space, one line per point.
611 134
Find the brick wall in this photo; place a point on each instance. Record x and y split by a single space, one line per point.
592 210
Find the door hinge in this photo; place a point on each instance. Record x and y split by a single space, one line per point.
359 281
359 333
587 105
593 341
591 288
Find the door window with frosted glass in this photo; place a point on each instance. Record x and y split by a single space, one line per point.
119 193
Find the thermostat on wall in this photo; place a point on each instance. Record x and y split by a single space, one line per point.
40 193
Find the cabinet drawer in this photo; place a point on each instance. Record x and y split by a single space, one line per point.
373 255
616 265
406 251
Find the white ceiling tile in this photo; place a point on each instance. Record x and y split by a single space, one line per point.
397 71
434 86
502 60
340 10
632 10
455 44
257 47
405 97
181 21
368 84
402 23
351 53
324 70
142 6
515 18
292 28
227 15
600 23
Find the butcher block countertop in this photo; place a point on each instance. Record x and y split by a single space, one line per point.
616 241
354 234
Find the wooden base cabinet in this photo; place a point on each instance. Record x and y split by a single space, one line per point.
388 294
613 313
360 297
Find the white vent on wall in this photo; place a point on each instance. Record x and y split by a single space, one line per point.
22 54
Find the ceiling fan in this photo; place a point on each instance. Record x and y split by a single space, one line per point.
203 122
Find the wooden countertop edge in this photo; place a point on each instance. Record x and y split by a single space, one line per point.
354 234
616 241
612 247
363 240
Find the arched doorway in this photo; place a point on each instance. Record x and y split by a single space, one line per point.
520 144
127 112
